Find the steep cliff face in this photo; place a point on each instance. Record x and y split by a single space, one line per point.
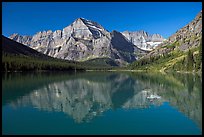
122 49
144 40
82 40
185 38
189 35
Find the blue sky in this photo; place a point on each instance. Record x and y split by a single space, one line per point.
165 18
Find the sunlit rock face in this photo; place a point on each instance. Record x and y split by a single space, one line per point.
82 40
189 36
144 40
21 39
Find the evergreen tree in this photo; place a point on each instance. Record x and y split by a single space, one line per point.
189 61
199 58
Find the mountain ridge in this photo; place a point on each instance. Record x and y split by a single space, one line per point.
82 40
144 40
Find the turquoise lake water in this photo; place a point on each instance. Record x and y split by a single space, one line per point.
101 103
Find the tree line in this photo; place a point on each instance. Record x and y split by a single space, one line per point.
12 62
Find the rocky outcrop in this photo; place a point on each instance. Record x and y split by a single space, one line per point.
189 36
185 38
143 40
21 39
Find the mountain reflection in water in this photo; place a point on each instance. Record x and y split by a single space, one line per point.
84 96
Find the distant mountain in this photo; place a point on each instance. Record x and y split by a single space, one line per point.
84 40
144 40
181 51
12 47
18 57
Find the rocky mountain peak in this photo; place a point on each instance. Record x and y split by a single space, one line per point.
91 23
157 38
83 40
14 36
142 32
143 40
21 39
186 36
82 27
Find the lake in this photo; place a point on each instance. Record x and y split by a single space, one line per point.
101 103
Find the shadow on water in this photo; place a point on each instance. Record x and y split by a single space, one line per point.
84 96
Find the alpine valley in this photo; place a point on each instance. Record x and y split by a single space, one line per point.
87 41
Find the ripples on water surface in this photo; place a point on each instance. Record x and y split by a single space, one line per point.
101 103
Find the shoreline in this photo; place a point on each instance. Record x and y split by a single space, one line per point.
184 72
114 70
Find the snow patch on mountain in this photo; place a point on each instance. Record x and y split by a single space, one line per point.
144 40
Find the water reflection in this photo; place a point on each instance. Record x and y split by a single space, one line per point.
84 96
